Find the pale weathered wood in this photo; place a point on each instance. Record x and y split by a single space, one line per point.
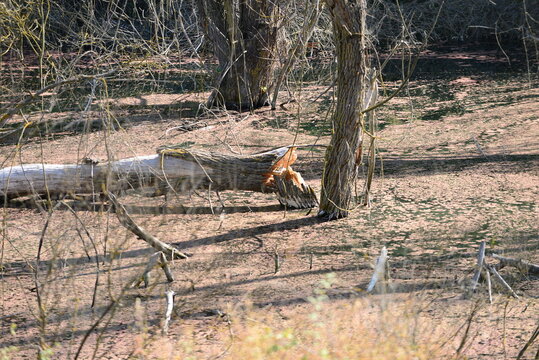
479 267
489 284
154 242
172 168
157 259
170 306
54 179
380 270
145 276
163 262
501 281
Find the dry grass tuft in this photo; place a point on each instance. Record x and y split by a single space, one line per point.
368 328
346 331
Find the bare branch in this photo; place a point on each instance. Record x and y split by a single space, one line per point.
130 224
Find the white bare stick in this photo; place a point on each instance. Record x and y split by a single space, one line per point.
489 284
163 262
379 270
501 280
479 266
523 265
170 306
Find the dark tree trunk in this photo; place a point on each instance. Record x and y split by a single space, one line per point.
344 153
244 35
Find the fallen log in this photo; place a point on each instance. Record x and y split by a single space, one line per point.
522 265
171 169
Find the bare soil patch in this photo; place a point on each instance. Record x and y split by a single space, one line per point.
458 164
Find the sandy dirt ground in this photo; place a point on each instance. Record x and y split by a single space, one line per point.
458 164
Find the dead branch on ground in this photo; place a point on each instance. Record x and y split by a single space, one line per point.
479 267
157 259
154 242
522 265
501 281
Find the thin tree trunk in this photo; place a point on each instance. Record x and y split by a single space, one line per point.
343 155
244 35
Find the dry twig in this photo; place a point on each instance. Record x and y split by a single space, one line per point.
501 280
479 267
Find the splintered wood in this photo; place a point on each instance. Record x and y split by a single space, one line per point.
291 188
293 192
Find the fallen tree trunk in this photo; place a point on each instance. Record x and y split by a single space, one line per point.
172 168
523 265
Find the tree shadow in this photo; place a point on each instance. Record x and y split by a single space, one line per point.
250 232
88 204
17 268
211 309
403 167
81 123
448 62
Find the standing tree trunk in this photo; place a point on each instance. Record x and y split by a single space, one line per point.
344 152
244 34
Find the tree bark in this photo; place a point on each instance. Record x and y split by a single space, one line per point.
244 34
171 168
344 152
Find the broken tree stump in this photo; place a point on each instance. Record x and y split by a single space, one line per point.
478 270
293 191
173 168
381 271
